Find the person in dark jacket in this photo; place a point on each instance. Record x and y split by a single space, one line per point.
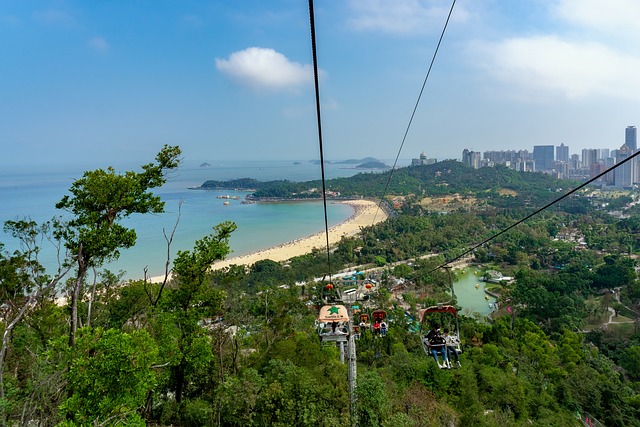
436 344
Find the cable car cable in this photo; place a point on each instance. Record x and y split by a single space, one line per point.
317 94
415 108
536 212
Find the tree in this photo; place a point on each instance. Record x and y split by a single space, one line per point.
631 361
98 201
190 299
617 306
22 284
373 403
108 378
617 271
237 398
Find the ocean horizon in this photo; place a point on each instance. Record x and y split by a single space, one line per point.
33 195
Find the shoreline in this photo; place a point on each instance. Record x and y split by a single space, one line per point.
363 216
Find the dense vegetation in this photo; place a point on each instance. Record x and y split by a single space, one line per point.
237 347
440 179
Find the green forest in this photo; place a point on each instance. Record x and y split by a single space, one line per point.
239 346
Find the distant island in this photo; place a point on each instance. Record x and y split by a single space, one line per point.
365 163
373 165
358 161
205 165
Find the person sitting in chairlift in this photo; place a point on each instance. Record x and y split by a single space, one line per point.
376 327
437 344
450 344
383 328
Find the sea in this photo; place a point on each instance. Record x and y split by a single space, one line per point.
29 194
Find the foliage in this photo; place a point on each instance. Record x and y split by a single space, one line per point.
101 198
98 202
108 378
237 346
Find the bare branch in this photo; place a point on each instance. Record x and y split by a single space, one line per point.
164 365
167 269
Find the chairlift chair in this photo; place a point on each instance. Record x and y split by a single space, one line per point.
333 320
380 316
450 315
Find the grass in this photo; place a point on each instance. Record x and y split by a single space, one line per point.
622 329
622 324
626 312
595 322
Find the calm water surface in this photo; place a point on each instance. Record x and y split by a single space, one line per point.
33 194
472 299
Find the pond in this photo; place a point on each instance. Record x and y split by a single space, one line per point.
469 290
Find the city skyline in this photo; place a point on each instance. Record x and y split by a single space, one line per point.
557 160
100 83
563 151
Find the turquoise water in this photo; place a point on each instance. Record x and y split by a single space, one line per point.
260 225
472 299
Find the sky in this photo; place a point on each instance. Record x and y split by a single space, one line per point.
98 83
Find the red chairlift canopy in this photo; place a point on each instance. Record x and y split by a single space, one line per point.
379 315
437 309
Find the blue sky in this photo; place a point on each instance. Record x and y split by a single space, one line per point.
94 83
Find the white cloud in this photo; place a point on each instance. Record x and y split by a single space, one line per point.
572 69
402 16
591 53
619 17
263 68
99 44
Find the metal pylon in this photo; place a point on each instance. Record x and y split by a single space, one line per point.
353 374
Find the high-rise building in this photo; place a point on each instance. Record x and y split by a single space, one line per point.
624 174
589 157
562 153
609 178
631 138
471 158
543 157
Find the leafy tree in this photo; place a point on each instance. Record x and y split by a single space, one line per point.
266 274
617 271
108 378
402 270
292 396
22 284
188 302
631 361
98 201
373 402
380 261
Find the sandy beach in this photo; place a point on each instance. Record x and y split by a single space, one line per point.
363 216
364 213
